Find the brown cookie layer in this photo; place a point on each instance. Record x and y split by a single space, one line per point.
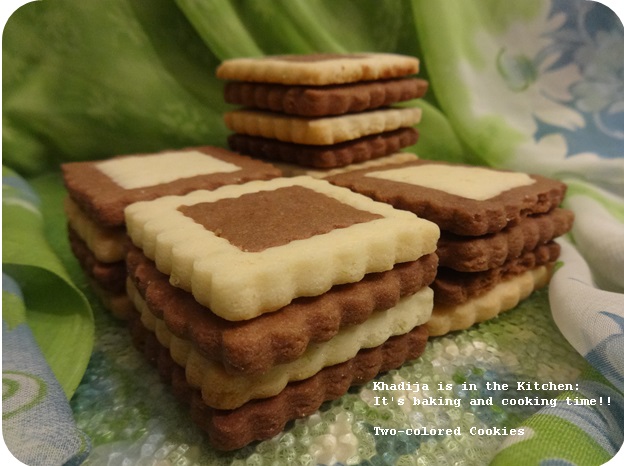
452 288
331 156
503 297
474 254
291 169
262 419
253 346
111 277
104 201
457 214
316 101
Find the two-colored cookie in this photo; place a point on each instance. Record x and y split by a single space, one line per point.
100 190
257 288
249 249
497 231
322 110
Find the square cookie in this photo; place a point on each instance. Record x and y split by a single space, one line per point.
461 199
454 288
503 297
317 101
320 131
343 154
318 69
102 189
479 253
249 249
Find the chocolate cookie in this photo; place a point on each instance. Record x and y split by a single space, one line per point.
316 101
254 346
327 156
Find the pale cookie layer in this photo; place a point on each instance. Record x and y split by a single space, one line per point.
320 131
150 170
106 244
226 391
503 297
291 169
239 285
476 183
318 69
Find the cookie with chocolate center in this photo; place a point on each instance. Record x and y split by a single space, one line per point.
249 249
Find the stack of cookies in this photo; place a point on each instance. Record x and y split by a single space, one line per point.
258 296
100 190
313 113
497 232
261 301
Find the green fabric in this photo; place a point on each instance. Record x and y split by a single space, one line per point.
575 446
18 309
57 312
444 47
544 435
79 84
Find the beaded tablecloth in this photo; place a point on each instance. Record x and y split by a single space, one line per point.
132 418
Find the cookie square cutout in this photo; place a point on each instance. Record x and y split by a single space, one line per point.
249 249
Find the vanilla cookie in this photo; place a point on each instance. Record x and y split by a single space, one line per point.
111 276
262 419
106 244
249 249
318 69
320 131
